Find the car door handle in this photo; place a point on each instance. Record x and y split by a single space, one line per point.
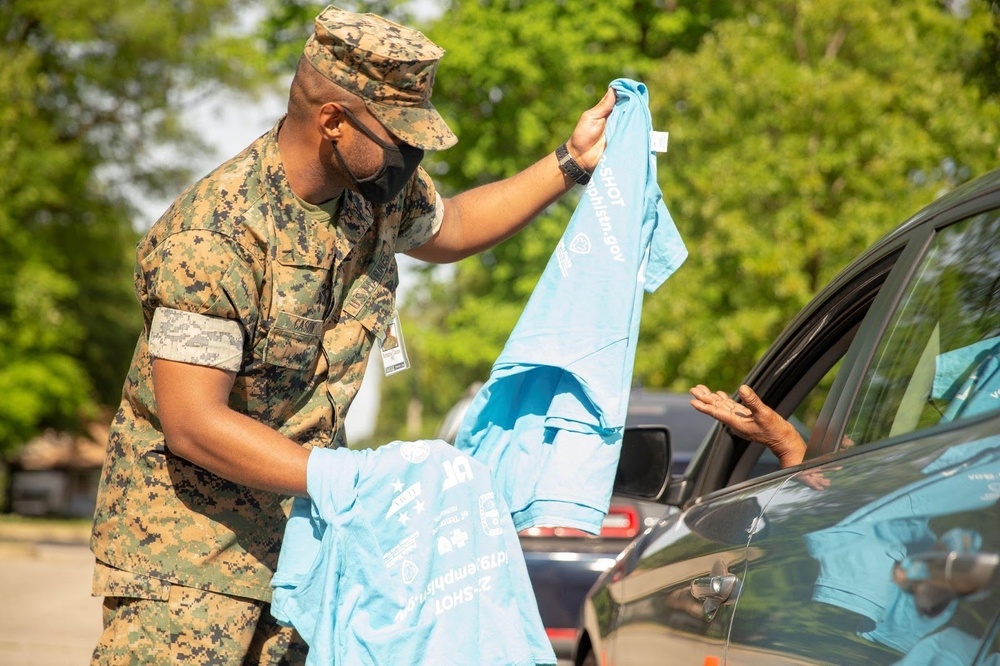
716 589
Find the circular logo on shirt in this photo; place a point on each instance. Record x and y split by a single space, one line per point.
415 452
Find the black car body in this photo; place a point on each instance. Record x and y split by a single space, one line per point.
884 545
563 564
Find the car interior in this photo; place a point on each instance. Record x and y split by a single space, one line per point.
938 361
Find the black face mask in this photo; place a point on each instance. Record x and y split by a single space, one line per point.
398 164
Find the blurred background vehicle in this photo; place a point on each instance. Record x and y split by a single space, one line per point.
564 563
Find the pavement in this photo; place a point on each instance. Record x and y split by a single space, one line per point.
47 616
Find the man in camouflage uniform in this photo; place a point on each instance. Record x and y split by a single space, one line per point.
263 288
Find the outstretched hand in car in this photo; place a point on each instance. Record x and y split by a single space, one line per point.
752 419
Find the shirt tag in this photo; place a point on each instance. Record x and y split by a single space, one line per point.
394 358
658 141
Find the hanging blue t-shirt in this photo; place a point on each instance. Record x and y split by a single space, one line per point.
549 420
406 555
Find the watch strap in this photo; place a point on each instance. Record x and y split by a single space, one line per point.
571 167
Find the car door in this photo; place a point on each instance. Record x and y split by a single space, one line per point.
885 549
676 591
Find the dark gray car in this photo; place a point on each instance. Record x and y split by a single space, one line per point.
883 546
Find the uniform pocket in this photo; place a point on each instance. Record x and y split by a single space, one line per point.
293 342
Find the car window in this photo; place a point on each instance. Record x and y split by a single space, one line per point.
804 419
800 389
799 373
940 358
803 415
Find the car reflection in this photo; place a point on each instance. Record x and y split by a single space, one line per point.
878 562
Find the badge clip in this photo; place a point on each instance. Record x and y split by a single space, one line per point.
394 358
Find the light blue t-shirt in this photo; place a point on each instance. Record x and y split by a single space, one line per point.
406 555
549 420
969 378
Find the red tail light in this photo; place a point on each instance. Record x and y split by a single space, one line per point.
560 634
554 532
621 522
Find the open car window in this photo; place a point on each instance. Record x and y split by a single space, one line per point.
798 375
939 360
801 406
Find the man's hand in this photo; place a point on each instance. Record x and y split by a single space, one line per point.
587 143
752 420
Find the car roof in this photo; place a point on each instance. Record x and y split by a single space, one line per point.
927 215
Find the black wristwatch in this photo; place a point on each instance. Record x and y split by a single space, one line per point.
571 167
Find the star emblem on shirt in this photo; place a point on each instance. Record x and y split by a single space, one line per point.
397 486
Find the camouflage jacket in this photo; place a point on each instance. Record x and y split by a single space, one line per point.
307 300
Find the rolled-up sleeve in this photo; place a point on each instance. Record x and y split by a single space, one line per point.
176 335
201 290
424 213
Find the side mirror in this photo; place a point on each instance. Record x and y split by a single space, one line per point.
644 464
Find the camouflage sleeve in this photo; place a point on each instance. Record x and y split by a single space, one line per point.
202 293
424 212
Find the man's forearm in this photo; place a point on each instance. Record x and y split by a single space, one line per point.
480 218
241 450
199 426
484 216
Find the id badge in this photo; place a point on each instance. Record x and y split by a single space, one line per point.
394 358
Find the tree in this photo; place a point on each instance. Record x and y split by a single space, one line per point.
87 91
801 132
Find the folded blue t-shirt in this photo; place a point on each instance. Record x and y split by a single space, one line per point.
406 555
549 420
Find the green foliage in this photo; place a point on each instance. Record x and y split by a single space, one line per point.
87 91
512 84
800 133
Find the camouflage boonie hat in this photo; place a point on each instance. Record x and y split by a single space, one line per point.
391 67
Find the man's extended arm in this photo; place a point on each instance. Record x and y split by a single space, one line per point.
483 216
